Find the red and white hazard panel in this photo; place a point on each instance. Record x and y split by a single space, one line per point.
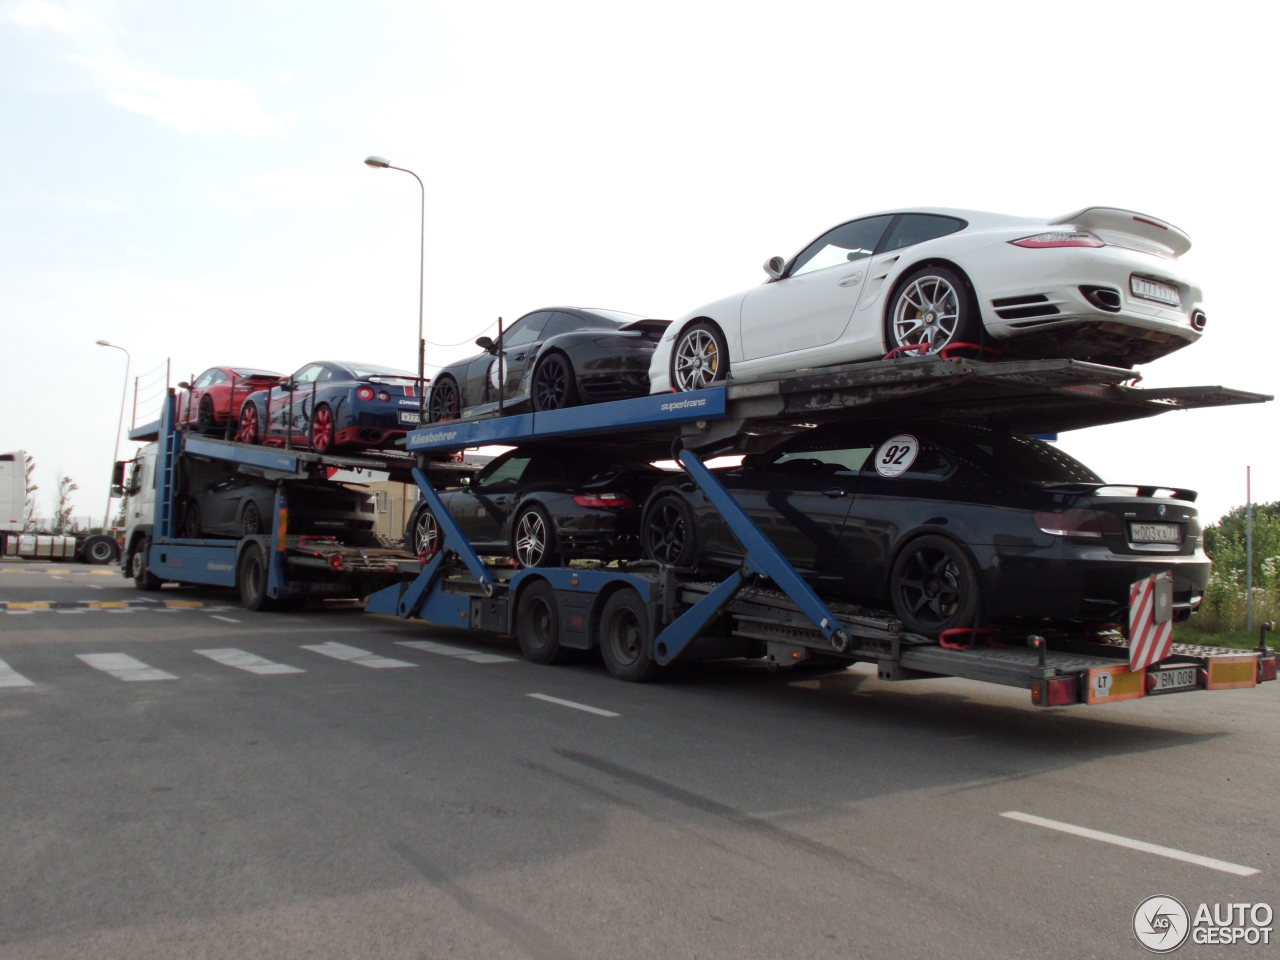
1150 620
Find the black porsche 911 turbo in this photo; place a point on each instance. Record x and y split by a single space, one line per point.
949 527
545 505
551 358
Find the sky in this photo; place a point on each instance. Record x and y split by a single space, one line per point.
186 181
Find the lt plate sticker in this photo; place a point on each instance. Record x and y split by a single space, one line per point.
896 455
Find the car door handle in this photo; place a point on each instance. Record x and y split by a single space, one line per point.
835 492
852 280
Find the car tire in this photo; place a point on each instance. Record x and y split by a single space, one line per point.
445 403
98 549
669 531
143 578
934 306
554 384
699 357
204 416
321 431
933 586
250 520
249 429
533 538
626 645
423 533
191 521
538 625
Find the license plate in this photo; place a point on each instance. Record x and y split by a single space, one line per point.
1171 681
1155 290
407 417
1155 533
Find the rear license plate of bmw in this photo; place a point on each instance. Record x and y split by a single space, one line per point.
1155 290
1172 680
1155 533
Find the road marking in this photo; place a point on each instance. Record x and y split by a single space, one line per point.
243 660
340 651
460 652
1139 845
574 706
123 667
227 619
10 677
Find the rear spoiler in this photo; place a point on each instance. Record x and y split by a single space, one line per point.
650 328
1171 241
1125 489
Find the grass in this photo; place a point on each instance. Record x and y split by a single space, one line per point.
1240 638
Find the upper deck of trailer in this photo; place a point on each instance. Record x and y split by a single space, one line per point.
1021 396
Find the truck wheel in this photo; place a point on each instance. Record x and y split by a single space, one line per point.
933 586
669 533
251 581
533 539
625 643
99 549
143 578
538 625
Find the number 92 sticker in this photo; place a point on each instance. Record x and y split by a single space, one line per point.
896 455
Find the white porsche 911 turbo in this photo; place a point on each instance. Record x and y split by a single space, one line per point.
1101 285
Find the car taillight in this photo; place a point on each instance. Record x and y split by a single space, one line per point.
1089 524
1059 238
384 396
614 500
365 393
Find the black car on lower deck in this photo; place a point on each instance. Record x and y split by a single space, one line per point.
220 502
546 504
551 358
947 526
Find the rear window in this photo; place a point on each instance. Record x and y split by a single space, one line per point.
1033 460
365 370
254 373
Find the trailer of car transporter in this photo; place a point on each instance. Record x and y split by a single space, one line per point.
271 570
643 616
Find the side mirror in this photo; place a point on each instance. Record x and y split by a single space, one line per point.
485 344
287 385
773 267
184 385
117 479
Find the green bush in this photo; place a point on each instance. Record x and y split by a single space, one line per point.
1226 597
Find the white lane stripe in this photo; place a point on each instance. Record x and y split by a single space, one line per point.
340 651
1139 845
123 667
10 677
250 662
574 706
460 652
227 619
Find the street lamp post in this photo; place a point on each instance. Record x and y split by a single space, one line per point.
381 164
124 392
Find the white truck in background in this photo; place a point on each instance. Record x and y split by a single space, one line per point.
95 548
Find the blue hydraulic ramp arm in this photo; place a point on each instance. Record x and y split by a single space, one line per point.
419 598
762 559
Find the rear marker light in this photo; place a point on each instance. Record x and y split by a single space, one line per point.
1058 692
609 500
1059 238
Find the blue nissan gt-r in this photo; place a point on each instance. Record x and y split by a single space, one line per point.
328 405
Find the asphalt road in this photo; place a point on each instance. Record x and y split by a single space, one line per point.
385 800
